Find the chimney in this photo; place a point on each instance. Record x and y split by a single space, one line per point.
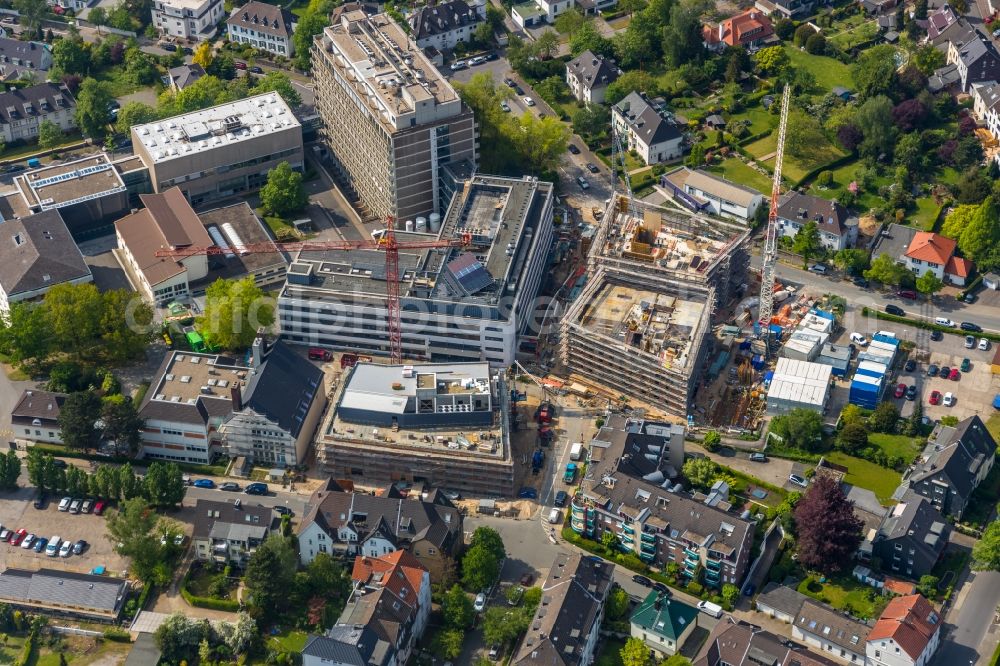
237 395
259 350
722 30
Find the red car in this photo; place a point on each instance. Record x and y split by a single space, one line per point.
900 390
935 398
907 293
18 537
955 375
239 65
99 508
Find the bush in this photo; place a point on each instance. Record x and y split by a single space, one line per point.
211 604
118 635
695 588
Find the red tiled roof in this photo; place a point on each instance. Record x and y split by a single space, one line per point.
399 570
931 247
911 621
958 266
736 28
897 586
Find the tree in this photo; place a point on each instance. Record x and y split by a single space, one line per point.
634 653
569 22
269 577
701 472
676 660
874 71
730 594
874 116
457 608
283 194
816 44
804 134
164 484
928 58
31 13
807 242
800 428
627 82
929 284
310 24
591 120
986 552
134 113
956 221
98 16
803 33
851 260
139 67
25 337
543 141
588 38
73 313
126 326
122 423
92 103
10 469
928 586
828 532
278 82
884 418
203 55
909 114
77 416
490 539
547 44
448 643
234 311
712 441
682 38
502 625
135 530
884 269
771 60
981 235
49 134
618 603
178 637
71 56
852 438
609 540
480 567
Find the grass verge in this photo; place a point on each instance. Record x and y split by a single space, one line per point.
864 474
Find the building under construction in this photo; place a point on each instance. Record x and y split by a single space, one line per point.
640 327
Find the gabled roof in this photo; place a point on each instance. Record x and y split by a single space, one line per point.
662 616
931 247
35 404
85 592
822 621
918 525
938 20
741 644
216 519
38 252
957 453
398 571
720 187
23 52
958 266
431 20
350 646
645 121
283 388
750 25
260 16
988 92
911 621
781 598
592 70
183 76
829 216
28 102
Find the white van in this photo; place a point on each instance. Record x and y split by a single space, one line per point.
859 339
53 548
576 451
709 608
944 321
555 516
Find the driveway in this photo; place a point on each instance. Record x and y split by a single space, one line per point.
775 471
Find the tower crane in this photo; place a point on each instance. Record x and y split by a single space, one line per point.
770 254
386 241
618 159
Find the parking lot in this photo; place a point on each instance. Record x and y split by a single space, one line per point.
16 512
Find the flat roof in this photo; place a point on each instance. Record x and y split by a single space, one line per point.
206 129
388 387
655 322
65 184
190 377
800 381
250 229
503 215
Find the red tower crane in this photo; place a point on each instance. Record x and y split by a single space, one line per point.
387 241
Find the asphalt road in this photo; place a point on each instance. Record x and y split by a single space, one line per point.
970 634
293 501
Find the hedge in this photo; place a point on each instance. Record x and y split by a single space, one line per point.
829 166
995 659
28 649
118 635
211 604
972 286
930 326
66 452
755 137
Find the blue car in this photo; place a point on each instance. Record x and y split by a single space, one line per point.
204 483
40 544
528 493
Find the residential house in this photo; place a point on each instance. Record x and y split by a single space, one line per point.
64 593
952 465
657 523
976 60
790 9
703 191
907 633
939 25
567 623
22 111
834 634
37 252
876 7
444 25
348 646
912 537
35 417
749 29
183 76
589 75
228 533
780 602
263 26
187 19
648 129
738 643
922 252
838 229
401 577
23 60
650 450
276 414
371 525
986 105
663 624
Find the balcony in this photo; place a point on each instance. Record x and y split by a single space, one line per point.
648 538
713 565
628 529
647 548
691 553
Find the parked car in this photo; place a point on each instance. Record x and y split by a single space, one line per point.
859 339
458 64
642 580
257 488
86 506
239 64
907 293
527 579
661 588
758 457
910 366
66 549
478 60
749 589
966 365
29 542
519 90
911 392
984 344
573 149
17 537
283 511
230 486
900 390
582 182
42 500
5 534
969 297
168 47
821 269
509 83
64 503
954 375
99 507
561 498
528 101
256 70
505 106
495 651
798 480
74 506
187 50
52 549
944 321
40 544
59 463
949 399
79 547
860 281
969 326
935 398
480 603
937 336
527 493
204 483
970 342
592 168
895 310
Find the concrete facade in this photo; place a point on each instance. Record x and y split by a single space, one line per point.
187 19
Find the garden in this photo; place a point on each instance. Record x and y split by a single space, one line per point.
209 586
845 594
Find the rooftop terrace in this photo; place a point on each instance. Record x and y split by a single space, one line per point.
69 183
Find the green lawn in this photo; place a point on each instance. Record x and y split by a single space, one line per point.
609 654
827 71
881 481
846 594
292 640
993 425
794 167
926 213
735 170
842 177
897 445
760 119
848 39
